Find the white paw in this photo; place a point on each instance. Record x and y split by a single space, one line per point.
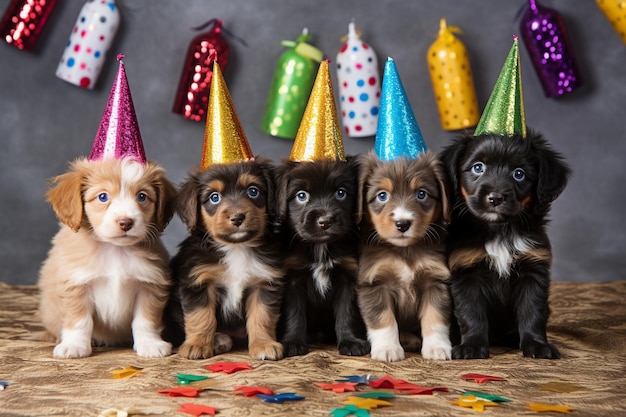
71 350
436 347
154 349
385 344
388 354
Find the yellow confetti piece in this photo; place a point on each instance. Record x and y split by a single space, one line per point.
368 403
556 386
127 372
473 402
539 408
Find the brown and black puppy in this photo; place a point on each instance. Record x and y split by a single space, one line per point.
317 205
499 251
228 272
403 269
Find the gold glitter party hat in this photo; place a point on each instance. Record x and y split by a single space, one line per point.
224 138
319 134
504 112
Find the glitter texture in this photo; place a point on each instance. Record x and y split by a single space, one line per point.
319 135
453 83
23 22
291 85
398 134
504 112
118 135
548 45
615 12
359 86
224 138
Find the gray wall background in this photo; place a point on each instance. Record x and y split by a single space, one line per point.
45 122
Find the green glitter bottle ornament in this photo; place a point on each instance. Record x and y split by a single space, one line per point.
504 112
291 86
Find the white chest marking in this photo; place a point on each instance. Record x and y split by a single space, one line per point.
321 268
503 252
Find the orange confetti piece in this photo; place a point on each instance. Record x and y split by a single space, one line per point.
473 402
367 403
540 408
338 387
127 372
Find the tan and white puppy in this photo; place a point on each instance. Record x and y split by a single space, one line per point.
106 278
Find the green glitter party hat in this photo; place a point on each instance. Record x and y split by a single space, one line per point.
504 112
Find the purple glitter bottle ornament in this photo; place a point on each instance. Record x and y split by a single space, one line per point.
548 45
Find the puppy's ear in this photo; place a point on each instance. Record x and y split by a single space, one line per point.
269 173
366 164
282 183
166 200
450 158
66 194
444 187
187 204
553 171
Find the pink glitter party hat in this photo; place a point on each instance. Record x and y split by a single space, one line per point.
118 135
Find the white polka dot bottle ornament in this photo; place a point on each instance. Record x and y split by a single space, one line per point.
91 37
359 86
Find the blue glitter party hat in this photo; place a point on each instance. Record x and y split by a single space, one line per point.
397 133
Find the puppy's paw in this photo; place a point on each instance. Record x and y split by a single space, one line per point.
387 353
540 351
71 350
223 343
436 347
196 351
354 347
470 352
266 351
154 349
294 349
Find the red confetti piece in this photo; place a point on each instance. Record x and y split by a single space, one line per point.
481 379
338 387
252 391
181 392
386 382
228 367
197 409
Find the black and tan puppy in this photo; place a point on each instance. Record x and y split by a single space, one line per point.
499 251
228 272
317 204
402 265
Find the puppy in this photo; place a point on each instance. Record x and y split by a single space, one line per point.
317 205
106 278
499 251
228 272
403 269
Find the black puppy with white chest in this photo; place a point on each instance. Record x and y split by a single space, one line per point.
317 203
499 251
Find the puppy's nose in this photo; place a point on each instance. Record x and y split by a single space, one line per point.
237 219
403 225
125 224
495 199
325 222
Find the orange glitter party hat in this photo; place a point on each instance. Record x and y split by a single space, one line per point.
224 138
319 134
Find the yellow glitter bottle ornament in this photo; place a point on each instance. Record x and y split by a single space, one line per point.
615 12
224 138
453 83
319 135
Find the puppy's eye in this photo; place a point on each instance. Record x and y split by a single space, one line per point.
142 197
519 174
215 197
253 192
421 194
103 197
341 194
478 168
302 196
382 196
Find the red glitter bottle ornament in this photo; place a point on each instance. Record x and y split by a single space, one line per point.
192 96
548 45
23 22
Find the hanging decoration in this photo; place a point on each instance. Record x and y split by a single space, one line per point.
85 52
452 80
192 95
359 85
291 86
615 12
548 45
24 20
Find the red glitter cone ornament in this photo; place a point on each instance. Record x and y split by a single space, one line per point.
192 96
24 20
118 135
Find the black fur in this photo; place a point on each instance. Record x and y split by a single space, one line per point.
321 239
498 302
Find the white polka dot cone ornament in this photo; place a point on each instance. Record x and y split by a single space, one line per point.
359 86
87 47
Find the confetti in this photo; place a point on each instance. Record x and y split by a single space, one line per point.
367 403
473 402
481 379
556 386
339 387
386 382
228 367
412 389
375 394
539 408
181 392
488 397
3 385
349 410
197 409
186 379
280 398
359 379
127 372
252 391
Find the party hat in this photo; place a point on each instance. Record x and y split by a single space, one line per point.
118 135
319 135
224 138
397 133
504 112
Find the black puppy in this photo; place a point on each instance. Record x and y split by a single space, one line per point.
317 202
499 251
